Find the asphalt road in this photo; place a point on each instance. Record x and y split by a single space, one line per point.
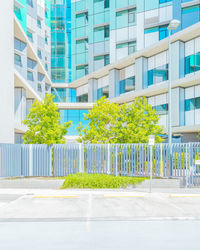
100 235
99 220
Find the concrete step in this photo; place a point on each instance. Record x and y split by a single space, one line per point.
35 183
162 183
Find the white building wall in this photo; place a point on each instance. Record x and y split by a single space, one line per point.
6 73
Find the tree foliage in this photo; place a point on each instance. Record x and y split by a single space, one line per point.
43 122
127 123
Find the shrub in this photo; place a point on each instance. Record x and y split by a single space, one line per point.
100 181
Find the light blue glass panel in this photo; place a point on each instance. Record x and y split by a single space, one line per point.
190 16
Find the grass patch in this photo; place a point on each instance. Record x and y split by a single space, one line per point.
94 181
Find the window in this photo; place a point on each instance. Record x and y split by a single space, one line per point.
157 75
46 40
17 11
30 3
76 116
17 60
58 74
47 87
39 23
19 45
106 31
192 104
40 77
105 58
81 70
30 36
30 76
125 86
131 46
46 66
82 19
131 15
39 87
164 1
39 53
192 63
163 32
64 95
31 63
82 98
103 92
106 4
161 109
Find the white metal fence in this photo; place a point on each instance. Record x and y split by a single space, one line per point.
114 159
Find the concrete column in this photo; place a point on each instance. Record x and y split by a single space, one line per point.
141 68
20 105
178 55
92 90
114 78
178 114
7 73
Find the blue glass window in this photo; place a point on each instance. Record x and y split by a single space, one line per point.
30 36
30 2
163 32
192 104
103 92
106 4
64 95
192 63
17 60
161 109
82 98
31 64
39 53
190 16
189 104
39 23
157 75
125 86
75 116
164 1
30 76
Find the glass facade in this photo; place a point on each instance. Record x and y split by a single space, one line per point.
82 98
192 63
125 86
76 116
157 75
103 92
192 104
190 16
161 109
64 95
61 41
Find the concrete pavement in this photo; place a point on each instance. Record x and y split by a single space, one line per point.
97 204
100 235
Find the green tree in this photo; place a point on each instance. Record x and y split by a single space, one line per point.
43 122
127 123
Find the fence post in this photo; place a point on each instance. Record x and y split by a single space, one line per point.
30 160
50 160
108 170
116 173
161 160
81 158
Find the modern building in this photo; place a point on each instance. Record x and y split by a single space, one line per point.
120 50
25 62
83 50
